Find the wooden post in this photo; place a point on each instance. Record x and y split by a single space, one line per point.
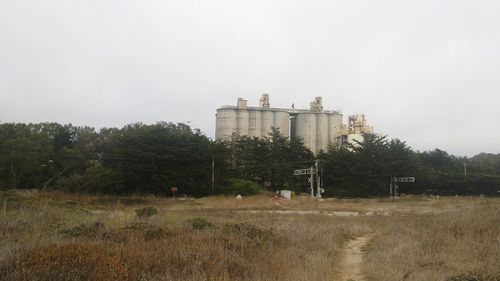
5 208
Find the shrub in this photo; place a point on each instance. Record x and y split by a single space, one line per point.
95 179
251 232
146 212
154 234
242 187
200 223
82 229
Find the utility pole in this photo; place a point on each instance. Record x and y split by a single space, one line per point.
390 187
213 174
322 179
465 169
318 183
311 179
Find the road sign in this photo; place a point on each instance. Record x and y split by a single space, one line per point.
174 190
404 179
301 172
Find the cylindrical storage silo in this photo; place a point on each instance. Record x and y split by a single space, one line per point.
267 118
242 117
255 122
293 127
334 128
306 129
225 123
282 122
321 131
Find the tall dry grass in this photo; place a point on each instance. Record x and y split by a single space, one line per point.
58 236
90 238
461 245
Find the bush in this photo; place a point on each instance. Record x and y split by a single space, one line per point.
82 230
154 234
146 213
199 223
242 187
95 179
251 232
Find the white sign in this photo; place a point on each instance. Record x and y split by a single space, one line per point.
301 172
405 179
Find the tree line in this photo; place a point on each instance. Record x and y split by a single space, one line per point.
149 159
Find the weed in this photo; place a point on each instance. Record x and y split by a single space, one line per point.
115 236
81 230
475 276
251 232
154 234
146 212
141 226
129 201
199 223
71 204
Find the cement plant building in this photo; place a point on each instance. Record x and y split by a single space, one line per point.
318 128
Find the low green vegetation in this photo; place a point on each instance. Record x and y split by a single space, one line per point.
242 187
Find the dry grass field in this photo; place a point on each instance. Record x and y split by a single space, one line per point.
57 236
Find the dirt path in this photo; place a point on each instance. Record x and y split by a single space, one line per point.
352 259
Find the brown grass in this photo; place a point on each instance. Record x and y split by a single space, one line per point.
48 239
56 236
438 247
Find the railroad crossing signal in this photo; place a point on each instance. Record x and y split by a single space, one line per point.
312 173
393 188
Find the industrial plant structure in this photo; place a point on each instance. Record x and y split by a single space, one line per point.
318 128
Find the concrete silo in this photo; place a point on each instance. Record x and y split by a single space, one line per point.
242 117
255 122
267 117
321 131
282 122
334 128
305 128
225 123
318 128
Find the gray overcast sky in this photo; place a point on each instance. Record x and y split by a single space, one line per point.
427 72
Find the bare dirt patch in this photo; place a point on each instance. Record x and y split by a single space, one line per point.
352 259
